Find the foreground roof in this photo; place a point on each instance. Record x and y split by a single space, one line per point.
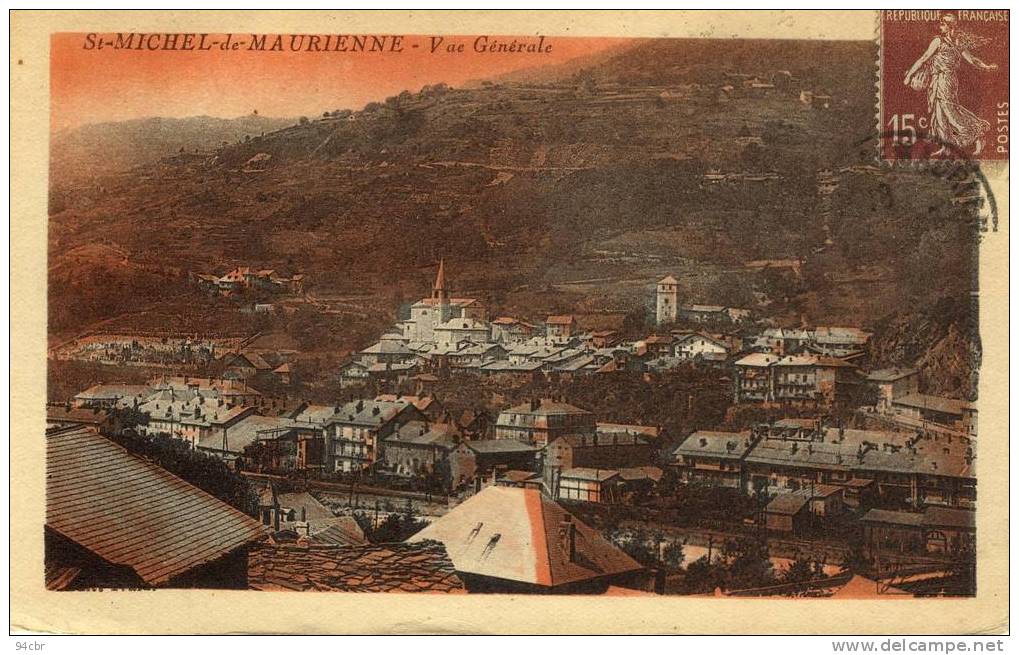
419 567
511 533
133 513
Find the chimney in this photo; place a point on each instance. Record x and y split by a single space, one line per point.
568 536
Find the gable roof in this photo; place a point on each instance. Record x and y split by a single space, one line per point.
513 534
133 513
420 567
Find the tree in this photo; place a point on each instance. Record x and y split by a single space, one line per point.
673 556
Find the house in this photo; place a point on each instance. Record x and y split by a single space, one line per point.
427 404
841 342
589 485
491 457
65 416
787 512
700 347
422 567
936 530
353 436
560 327
245 430
659 345
811 380
243 365
753 378
511 540
956 414
422 448
541 421
283 373
353 374
808 380
713 458
612 450
387 351
703 314
603 339
507 330
892 383
114 520
522 479
108 396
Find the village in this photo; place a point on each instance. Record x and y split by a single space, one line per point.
460 442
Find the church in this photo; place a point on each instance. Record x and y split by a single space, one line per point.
442 315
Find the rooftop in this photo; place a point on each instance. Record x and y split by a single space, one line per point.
545 407
133 513
412 568
515 534
710 443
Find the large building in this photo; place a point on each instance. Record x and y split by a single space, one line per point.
438 310
540 422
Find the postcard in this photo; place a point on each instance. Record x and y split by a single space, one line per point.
510 322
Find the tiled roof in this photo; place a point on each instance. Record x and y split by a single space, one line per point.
419 567
516 534
134 513
565 319
246 432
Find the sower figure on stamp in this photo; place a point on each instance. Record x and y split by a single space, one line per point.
937 70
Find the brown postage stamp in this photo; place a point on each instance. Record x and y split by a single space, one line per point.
944 85
510 322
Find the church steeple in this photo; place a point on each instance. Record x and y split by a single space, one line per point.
439 288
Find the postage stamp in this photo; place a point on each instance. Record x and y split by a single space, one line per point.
943 88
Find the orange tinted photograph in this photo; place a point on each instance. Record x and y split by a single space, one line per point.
514 314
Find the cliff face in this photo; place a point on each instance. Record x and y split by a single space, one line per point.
940 341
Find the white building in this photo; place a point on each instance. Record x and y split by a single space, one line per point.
667 300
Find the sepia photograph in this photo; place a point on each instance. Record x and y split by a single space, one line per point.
481 314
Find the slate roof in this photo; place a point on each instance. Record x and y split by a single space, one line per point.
113 391
545 408
500 446
412 568
133 513
892 517
890 374
866 450
934 403
710 443
757 359
589 474
421 433
349 413
82 415
512 533
246 431
788 504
